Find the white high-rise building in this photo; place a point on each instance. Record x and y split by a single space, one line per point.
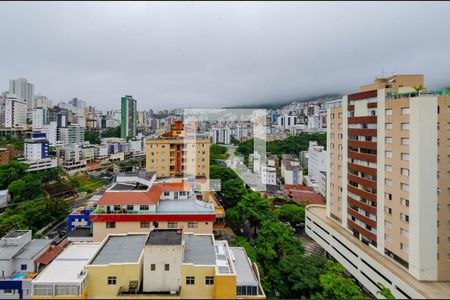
42 101
51 131
221 136
317 161
15 112
23 90
40 118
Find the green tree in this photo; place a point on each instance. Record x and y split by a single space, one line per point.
419 88
233 218
385 292
111 132
233 191
335 285
276 240
299 275
92 137
292 213
10 172
16 189
255 209
447 88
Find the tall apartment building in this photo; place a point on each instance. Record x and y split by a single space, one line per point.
177 154
74 134
40 117
221 135
15 111
128 117
23 90
317 162
388 191
36 151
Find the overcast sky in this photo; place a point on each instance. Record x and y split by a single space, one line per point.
203 55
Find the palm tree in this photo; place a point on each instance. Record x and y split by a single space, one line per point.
419 88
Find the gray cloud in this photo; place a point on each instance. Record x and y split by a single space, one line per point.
200 55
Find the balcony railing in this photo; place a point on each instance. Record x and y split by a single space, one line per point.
392 96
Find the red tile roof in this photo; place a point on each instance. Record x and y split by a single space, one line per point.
303 194
142 197
49 255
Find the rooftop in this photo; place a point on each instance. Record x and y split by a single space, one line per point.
199 249
120 249
33 248
244 271
68 265
431 290
16 233
164 237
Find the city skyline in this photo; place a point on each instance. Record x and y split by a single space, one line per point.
203 55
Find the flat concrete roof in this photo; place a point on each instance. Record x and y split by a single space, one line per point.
120 249
199 249
33 248
68 265
244 271
430 290
183 206
164 237
16 233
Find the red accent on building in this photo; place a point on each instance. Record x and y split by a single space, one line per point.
362 132
362 181
372 105
362 156
362 218
362 144
361 193
363 95
151 217
359 204
363 120
361 230
362 169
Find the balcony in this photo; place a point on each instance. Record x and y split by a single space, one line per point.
362 144
362 218
363 181
362 231
362 156
363 169
359 204
361 193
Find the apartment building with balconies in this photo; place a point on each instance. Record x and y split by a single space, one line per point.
388 184
177 154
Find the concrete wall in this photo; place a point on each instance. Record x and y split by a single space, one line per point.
160 279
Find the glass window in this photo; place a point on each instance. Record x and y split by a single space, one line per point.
23 267
388 112
405 126
112 280
172 225
404 186
110 224
145 224
405 172
130 207
192 224
190 280
404 218
387 182
405 141
404 202
209 280
405 110
152 267
388 154
388 126
166 267
404 247
388 140
143 207
405 156
388 168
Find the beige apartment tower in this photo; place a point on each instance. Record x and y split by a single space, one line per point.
176 154
387 217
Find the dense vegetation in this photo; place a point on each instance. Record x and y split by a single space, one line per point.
30 209
18 143
111 132
291 145
24 186
217 152
92 137
33 215
285 270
